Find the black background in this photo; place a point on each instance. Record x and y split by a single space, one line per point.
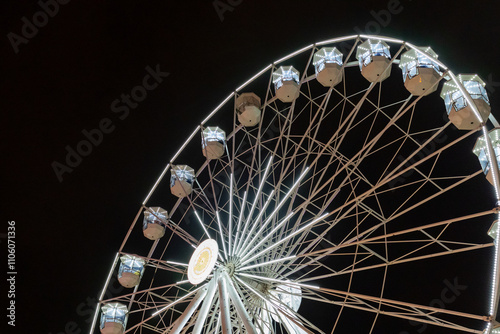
64 79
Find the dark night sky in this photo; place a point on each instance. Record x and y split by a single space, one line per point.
64 79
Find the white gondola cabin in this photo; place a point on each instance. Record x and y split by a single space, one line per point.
286 83
131 270
248 109
481 151
493 231
290 296
213 142
374 60
328 66
420 72
459 111
153 225
113 318
181 180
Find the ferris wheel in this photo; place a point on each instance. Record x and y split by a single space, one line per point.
324 195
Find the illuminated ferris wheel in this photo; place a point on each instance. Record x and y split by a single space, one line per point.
322 196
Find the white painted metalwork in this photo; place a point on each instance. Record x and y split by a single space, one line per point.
340 201
224 307
190 309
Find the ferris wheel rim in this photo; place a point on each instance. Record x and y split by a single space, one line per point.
272 65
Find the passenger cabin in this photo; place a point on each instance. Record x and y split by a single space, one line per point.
459 111
327 64
213 142
113 318
286 83
181 180
421 74
248 109
374 60
131 270
153 225
481 151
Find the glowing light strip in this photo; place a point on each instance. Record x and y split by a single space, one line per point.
230 212
382 38
262 264
269 235
185 143
253 78
285 239
109 276
277 208
466 96
427 55
239 220
95 318
434 60
217 109
493 161
156 184
202 225
221 235
316 287
293 54
96 313
178 263
494 283
336 40
178 300
263 181
262 211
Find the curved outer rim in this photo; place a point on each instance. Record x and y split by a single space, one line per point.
495 171
451 75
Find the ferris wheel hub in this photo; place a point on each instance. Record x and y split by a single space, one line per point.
230 268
